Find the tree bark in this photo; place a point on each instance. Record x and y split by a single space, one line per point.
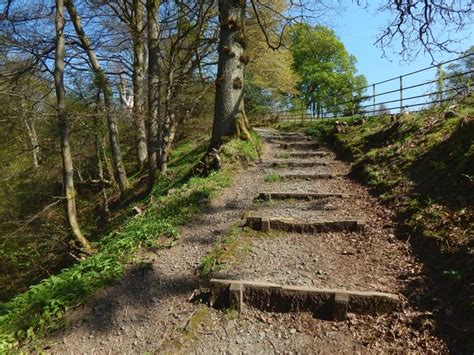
139 80
154 141
169 123
104 87
229 110
100 167
63 118
29 123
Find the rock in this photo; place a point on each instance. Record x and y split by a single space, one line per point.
292 331
450 114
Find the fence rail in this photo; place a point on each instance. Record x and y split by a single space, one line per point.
403 95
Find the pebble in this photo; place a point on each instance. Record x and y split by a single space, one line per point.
292 331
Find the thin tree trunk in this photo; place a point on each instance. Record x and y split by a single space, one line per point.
29 123
168 127
153 90
229 111
104 86
68 171
100 167
139 80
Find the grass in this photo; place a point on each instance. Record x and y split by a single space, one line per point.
42 309
421 165
226 252
230 250
272 178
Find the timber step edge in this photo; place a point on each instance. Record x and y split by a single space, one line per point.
327 303
290 225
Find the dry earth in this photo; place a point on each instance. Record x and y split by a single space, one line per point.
150 312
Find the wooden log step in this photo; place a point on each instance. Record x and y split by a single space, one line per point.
300 145
265 224
325 303
298 164
268 196
287 139
303 155
310 176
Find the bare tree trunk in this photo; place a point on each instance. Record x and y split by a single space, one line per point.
229 111
126 100
104 86
68 171
29 123
139 80
153 90
100 167
168 128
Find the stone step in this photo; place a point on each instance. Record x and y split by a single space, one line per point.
310 176
299 145
268 196
297 164
325 303
290 225
304 155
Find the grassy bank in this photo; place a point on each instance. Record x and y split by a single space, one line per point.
42 308
421 165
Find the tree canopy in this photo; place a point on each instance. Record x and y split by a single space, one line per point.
328 72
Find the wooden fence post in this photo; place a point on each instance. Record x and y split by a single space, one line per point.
373 99
401 94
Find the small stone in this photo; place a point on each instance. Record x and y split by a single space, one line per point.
292 331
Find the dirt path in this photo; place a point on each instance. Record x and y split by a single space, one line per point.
150 311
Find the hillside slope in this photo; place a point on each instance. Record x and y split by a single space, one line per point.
422 166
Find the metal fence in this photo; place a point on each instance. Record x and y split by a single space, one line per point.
394 95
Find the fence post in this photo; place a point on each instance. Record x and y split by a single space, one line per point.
440 84
401 94
373 99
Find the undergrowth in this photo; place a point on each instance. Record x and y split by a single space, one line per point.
174 200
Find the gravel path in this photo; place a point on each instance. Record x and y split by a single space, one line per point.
150 312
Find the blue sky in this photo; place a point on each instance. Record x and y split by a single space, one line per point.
358 29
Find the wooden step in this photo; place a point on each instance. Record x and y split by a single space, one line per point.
297 164
287 139
310 176
299 145
304 155
265 224
268 196
325 303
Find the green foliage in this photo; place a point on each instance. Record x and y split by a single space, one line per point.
42 308
272 178
327 70
461 84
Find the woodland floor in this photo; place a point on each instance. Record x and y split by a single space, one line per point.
149 310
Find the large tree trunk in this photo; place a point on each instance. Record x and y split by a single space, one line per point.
139 80
229 110
68 170
154 141
104 87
